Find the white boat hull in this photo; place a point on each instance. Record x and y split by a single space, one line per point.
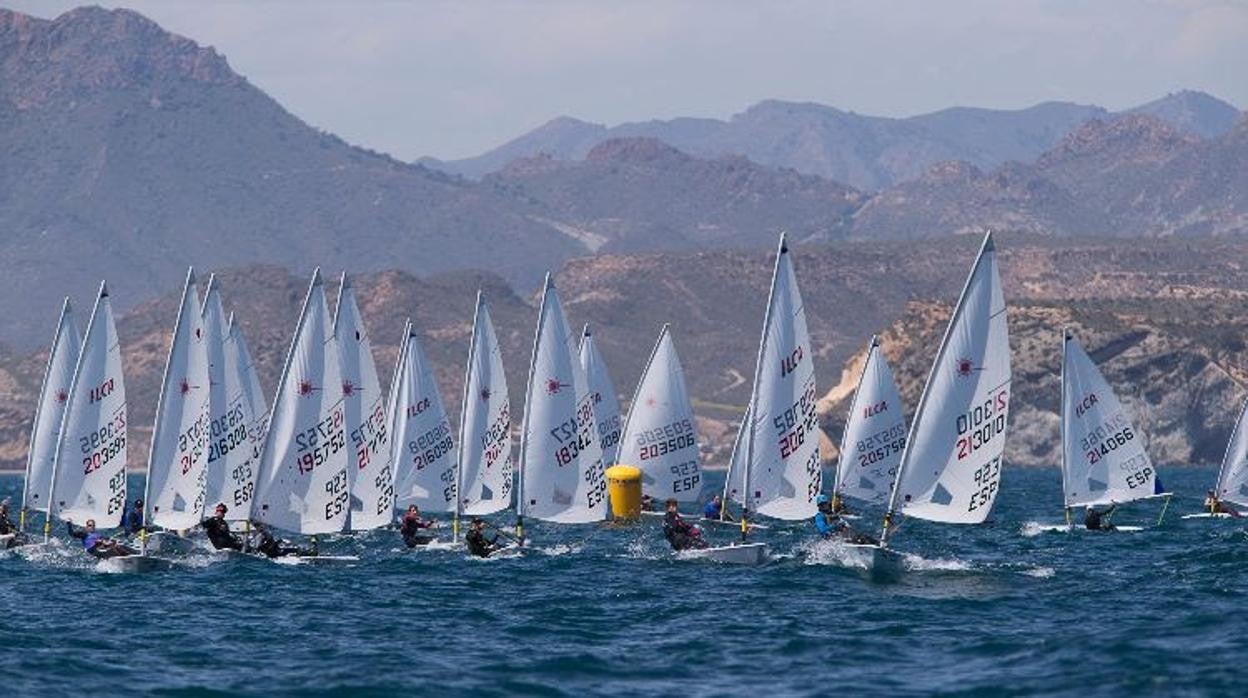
169 543
744 554
4 540
880 564
136 564
1207 515
317 560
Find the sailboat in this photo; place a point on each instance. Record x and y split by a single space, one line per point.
424 446
776 457
483 464
302 484
238 415
606 404
176 478
659 433
370 474
53 397
950 467
89 472
874 436
1232 483
562 476
1104 460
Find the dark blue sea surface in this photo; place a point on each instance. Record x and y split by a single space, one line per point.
998 609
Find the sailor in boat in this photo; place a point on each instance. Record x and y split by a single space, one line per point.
412 526
647 502
7 527
132 520
1212 504
477 544
218 530
681 534
271 546
96 544
830 524
714 510
1096 520
838 506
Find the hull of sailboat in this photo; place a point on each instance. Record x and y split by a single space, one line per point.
1207 515
880 564
745 554
169 543
136 564
317 560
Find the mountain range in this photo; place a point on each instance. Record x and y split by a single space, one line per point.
866 152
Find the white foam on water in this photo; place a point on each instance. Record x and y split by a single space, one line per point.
1030 529
820 551
921 564
1040 572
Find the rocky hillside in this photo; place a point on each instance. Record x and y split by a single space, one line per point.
130 153
640 194
866 152
1166 318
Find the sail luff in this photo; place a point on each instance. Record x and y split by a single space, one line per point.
463 406
746 483
853 409
1234 469
521 509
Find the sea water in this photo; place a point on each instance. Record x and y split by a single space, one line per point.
997 609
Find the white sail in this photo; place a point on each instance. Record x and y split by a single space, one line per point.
734 481
425 453
783 472
53 396
89 478
233 448
875 434
302 482
606 404
561 471
242 386
1103 456
659 434
176 461
370 474
1233 477
951 466
485 464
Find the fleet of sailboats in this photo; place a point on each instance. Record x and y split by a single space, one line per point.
337 455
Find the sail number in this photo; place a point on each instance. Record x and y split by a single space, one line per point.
320 442
594 476
117 490
229 431
666 439
370 436
881 445
982 423
796 422
575 434
609 431
431 445
986 478
497 438
102 445
337 489
384 484
686 477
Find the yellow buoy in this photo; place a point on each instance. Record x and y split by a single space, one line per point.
624 487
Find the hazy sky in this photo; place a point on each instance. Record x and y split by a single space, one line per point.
453 79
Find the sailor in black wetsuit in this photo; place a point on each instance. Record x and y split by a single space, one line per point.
272 547
681 534
412 525
477 544
1095 520
7 527
218 530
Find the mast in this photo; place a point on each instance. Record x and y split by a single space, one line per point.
1061 422
986 246
463 418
